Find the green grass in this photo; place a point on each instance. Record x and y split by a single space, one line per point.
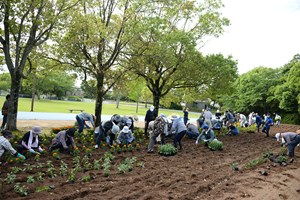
57 106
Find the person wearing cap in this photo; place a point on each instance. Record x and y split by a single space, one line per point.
150 116
158 128
192 131
63 140
6 145
179 129
125 136
291 139
107 130
30 141
243 120
267 125
82 118
207 135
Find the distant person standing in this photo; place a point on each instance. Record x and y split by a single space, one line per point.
185 115
5 111
150 116
82 118
277 119
207 117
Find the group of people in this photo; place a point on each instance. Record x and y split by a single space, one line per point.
156 125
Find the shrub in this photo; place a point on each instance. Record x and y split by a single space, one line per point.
167 150
281 159
215 145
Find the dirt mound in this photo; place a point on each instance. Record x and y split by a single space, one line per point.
193 173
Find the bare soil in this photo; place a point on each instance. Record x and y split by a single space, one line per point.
193 173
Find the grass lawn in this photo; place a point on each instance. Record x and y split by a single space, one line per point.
57 106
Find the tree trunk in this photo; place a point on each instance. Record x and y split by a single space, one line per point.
99 99
137 106
33 92
118 101
13 107
156 99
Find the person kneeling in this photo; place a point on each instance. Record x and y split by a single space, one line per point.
125 136
30 141
63 140
6 145
207 135
233 130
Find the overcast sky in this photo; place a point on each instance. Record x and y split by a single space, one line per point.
262 33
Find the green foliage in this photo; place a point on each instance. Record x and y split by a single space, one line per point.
283 151
234 166
281 159
30 179
215 145
86 178
42 188
21 189
251 164
127 165
167 150
10 178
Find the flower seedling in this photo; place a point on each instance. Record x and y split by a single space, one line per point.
40 176
72 176
21 190
96 164
63 168
30 179
86 178
10 178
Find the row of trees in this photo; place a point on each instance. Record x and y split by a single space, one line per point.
267 90
103 40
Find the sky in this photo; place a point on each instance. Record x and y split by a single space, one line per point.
262 33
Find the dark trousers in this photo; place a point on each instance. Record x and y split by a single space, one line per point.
59 145
258 124
292 145
80 124
102 134
266 130
178 138
146 129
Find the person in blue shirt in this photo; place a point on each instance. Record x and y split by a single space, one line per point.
267 125
233 130
258 121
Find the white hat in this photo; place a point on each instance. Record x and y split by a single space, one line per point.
151 108
277 135
37 130
125 129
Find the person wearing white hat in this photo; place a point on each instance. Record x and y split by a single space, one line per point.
292 139
30 141
125 136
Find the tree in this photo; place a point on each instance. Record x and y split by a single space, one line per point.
27 24
164 51
287 92
93 41
252 90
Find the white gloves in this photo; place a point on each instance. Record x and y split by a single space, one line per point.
196 142
41 150
32 151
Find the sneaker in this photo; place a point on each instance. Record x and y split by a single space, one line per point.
96 146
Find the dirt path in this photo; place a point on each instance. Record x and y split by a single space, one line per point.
194 173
